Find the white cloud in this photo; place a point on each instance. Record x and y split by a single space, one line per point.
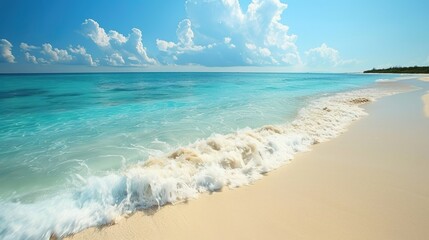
121 49
47 54
116 60
324 53
55 54
227 41
259 52
136 39
265 52
133 59
251 46
30 58
236 37
83 56
290 58
184 45
185 36
96 33
164 45
6 51
266 15
324 56
117 37
26 47
211 45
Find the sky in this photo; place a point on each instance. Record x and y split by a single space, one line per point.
212 35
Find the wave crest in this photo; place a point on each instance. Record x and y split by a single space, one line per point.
231 160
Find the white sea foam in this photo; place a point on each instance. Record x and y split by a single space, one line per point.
383 80
232 160
396 79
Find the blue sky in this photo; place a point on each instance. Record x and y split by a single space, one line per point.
212 35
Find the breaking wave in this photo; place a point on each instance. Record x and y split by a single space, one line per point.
232 160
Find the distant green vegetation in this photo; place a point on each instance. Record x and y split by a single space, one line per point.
414 69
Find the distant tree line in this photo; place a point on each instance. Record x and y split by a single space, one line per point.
415 69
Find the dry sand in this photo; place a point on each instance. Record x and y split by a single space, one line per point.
370 183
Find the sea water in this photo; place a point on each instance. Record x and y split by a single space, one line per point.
80 150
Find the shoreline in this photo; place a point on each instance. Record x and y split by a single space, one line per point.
299 201
226 159
425 98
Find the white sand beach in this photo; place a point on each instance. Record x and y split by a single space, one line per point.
369 183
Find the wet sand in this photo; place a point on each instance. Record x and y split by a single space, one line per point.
425 99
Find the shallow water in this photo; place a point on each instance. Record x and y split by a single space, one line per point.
72 141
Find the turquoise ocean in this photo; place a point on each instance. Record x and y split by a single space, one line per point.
81 150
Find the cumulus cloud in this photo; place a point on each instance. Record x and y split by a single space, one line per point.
30 58
164 45
115 60
97 34
26 48
185 43
136 41
186 37
265 52
116 37
185 33
82 56
6 51
47 54
227 41
250 46
119 49
227 35
55 54
325 56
